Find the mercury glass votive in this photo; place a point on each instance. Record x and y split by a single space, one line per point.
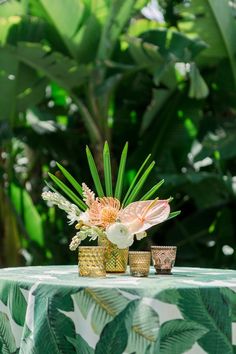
163 258
139 262
92 261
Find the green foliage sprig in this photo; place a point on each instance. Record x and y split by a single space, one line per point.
94 173
133 191
107 170
120 178
68 191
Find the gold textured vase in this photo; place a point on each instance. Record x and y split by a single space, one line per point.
139 262
116 258
91 261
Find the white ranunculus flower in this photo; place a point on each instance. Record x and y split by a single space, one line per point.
141 235
119 234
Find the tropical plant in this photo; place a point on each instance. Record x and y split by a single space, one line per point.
113 74
111 214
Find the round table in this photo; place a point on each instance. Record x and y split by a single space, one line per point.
47 310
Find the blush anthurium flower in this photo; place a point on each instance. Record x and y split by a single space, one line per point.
140 216
135 219
119 234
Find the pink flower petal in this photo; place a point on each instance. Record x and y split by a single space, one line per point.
140 216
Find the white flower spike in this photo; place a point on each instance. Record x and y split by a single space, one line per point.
72 211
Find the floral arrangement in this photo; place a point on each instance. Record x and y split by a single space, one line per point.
108 214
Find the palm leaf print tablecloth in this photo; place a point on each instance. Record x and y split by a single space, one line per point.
47 310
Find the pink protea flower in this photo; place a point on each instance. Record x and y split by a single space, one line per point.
140 216
104 211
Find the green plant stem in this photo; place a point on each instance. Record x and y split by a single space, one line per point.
93 129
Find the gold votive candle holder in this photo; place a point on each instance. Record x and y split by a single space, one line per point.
92 261
163 258
116 258
139 262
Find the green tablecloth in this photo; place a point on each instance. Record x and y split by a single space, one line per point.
47 310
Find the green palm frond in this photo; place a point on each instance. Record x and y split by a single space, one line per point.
68 192
153 190
133 191
107 170
50 187
174 214
139 184
135 178
71 179
94 173
121 171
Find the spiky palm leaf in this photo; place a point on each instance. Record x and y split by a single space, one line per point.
135 178
94 173
133 191
68 191
107 170
121 171
140 184
71 179
153 190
